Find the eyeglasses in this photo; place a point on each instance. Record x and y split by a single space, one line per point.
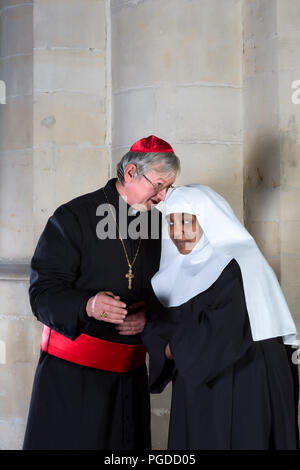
159 186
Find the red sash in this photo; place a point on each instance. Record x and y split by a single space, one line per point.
93 352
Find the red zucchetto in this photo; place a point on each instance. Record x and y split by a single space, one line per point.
151 144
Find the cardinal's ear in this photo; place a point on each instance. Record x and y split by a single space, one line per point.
129 172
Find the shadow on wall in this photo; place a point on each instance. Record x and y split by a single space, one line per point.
262 178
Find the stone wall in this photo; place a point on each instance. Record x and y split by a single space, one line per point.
288 40
261 127
177 73
17 333
55 145
271 120
85 79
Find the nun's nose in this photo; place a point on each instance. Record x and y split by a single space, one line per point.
178 230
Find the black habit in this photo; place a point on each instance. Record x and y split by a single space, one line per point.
73 406
228 391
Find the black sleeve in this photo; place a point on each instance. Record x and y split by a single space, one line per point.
156 336
212 338
54 299
161 369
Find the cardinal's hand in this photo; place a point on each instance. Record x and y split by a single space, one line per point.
107 307
135 322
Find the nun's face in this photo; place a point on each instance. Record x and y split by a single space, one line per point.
184 231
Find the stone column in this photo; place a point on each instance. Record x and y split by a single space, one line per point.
261 137
271 176
71 151
176 73
55 145
288 41
17 332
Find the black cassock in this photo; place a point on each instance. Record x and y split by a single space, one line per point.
228 392
73 406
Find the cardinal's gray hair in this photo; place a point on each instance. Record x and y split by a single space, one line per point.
162 162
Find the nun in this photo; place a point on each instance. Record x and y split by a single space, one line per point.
221 331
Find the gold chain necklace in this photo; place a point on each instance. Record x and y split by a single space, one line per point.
129 275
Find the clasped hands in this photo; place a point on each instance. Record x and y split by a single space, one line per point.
116 312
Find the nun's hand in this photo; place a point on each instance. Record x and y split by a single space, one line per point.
168 352
134 323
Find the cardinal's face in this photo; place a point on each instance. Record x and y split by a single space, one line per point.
152 188
148 190
185 231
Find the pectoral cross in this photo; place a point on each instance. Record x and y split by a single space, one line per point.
130 276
